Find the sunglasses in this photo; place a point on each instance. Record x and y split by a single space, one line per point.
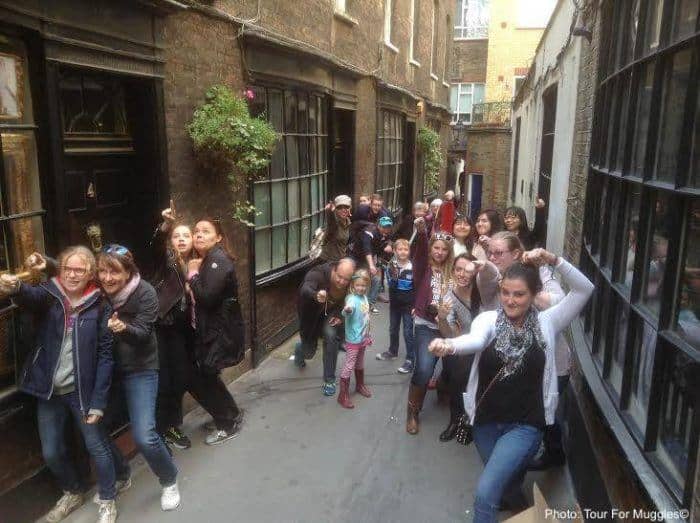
113 248
443 236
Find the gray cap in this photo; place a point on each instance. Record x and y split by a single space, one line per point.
343 199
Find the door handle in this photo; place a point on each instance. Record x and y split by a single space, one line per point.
94 234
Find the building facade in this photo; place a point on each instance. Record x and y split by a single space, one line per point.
625 168
92 134
495 41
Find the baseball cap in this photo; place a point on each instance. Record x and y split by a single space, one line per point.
385 221
342 199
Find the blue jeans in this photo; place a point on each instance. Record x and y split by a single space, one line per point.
397 314
374 289
333 337
506 450
140 391
425 360
52 416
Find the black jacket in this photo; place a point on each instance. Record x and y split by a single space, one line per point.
168 281
311 312
365 239
136 348
219 332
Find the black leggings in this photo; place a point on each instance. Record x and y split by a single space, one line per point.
455 370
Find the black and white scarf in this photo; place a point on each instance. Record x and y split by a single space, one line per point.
511 344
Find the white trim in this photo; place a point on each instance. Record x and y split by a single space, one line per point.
433 42
344 17
445 84
434 77
413 62
411 43
467 39
392 47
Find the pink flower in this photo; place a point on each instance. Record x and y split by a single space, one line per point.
249 94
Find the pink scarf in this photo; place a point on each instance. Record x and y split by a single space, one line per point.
120 298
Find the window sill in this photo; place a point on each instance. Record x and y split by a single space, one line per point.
272 277
392 47
434 77
445 84
465 39
414 62
345 18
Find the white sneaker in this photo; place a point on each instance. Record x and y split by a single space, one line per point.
219 436
121 485
64 506
107 513
170 498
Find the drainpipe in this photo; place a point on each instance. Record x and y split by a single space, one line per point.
251 285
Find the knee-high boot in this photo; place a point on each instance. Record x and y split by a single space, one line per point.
416 395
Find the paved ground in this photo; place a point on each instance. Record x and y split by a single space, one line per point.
302 458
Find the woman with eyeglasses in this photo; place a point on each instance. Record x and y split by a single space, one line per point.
432 280
135 312
488 223
512 390
69 372
218 323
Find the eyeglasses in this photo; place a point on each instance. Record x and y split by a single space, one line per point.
496 254
113 248
443 236
77 271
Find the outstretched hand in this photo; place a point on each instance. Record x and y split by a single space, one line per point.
539 257
441 347
35 262
115 324
9 284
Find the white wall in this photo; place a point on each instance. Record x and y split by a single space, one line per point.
545 72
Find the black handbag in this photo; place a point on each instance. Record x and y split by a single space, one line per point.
464 426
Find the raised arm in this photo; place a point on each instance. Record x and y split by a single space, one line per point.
479 337
564 312
487 283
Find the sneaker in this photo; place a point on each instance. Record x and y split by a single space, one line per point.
170 498
406 368
120 485
374 310
386 356
64 506
175 437
107 513
328 388
218 437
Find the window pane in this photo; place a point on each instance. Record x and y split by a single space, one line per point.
653 25
688 318
685 18
292 155
642 119
314 194
263 260
305 197
256 105
313 115
479 93
262 203
302 113
21 172
658 251
632 232
277 162
26 236
313 154
293 241
675 89
322 115
632 27
612 225
642 367
279 203
293 199
678 404
274 100
453 98
290 112
621 131
279 246
617 362
324 154
320 156
694 178
305 235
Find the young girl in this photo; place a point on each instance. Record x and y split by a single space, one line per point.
357 338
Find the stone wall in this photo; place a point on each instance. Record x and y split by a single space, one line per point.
469 61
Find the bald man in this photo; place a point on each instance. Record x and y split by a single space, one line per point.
321 299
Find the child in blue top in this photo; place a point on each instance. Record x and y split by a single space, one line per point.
356 313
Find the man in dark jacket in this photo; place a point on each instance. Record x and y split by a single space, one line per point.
369 245
321 299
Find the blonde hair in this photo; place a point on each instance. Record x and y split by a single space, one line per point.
82 252
449 261
511 239
403 242
360 274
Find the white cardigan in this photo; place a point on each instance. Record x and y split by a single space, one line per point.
552 322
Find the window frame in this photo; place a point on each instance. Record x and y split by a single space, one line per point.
462 20
397 143
460 86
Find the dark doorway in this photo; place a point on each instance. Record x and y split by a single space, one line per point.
549 117
406 198
341 179
107 187
476 183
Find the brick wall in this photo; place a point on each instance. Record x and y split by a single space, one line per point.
469 61
489 154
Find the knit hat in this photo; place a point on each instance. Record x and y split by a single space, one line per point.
343 199
436 201
385 221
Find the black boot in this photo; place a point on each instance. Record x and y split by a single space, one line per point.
451 431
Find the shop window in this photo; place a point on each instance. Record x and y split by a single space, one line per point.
390 160
630 235
621 318
644 99
462 100
472 19
652 32
685 17
657 253
688 311
643 353
21 214
92 105
291 197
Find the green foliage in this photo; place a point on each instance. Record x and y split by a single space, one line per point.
429 144
226 137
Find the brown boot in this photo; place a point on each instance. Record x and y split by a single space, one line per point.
360 386
344 394
416 394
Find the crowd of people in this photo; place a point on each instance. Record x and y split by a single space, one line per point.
106 339
483 298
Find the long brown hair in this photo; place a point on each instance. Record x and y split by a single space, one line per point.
449 261
224 243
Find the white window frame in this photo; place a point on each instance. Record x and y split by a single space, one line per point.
466 88
433 43
388 4
415 4
340 6
468 27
